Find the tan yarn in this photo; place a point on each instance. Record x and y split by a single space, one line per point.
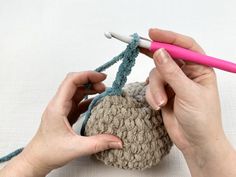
145 139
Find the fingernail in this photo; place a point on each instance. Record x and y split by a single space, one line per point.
151 28
161 56
159 101
157 108
116 144
104 74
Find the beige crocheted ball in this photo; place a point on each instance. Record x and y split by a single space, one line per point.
145 139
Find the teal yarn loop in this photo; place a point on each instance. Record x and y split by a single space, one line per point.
129 56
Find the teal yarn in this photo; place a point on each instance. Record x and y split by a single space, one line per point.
129 56
11 155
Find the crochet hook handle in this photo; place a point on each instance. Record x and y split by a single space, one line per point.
187 55
178 52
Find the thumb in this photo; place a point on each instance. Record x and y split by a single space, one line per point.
172 74
97 143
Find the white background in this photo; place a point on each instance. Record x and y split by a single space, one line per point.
42 40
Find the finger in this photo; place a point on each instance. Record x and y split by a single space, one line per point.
77 110
181 41
147 52
97 143
172 74
180 62
175 39
150 99
157 88
202 75
170 121
81 92
73 80
192 70
83 106
99 87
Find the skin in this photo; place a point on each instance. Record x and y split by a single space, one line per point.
55 143
186 92
188 96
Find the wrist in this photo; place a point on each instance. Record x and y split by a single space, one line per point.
21 166
216 158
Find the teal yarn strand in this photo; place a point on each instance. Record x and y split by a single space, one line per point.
11 155
129 56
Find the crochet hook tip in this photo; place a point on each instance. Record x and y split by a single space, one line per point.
108 35
145 43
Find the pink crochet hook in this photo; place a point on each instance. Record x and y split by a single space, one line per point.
179 52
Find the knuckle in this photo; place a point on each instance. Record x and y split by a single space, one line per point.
172 70
85 74
212 72
70 75
51 107
192 42
212 75
96 148
208 71
49 111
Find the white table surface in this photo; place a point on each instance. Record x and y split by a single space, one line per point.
42 40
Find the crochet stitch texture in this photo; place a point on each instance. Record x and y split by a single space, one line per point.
128 116
123 111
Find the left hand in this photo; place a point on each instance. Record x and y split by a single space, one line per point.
56 143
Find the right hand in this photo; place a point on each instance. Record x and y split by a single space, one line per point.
188 97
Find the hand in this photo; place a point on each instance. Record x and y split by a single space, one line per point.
188 96
55 143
